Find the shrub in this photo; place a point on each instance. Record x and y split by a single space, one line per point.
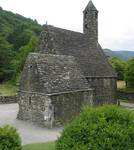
119 67
102 128
9 138
129 73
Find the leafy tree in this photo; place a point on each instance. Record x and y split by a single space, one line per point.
129 73
21 57
20 36
119 67
16 34
6 57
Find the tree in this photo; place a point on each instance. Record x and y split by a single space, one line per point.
129 73
6 57
21 57
16 33
20 36
119 67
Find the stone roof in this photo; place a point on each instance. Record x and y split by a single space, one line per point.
90 6
46 73
88 55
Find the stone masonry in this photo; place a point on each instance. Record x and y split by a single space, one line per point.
52 90
69 71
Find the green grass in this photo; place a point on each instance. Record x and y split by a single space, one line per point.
39 146
7 89
121 85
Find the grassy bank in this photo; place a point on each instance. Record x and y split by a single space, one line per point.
121 86
8 89
39 146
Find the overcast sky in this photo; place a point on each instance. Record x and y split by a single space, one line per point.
116 17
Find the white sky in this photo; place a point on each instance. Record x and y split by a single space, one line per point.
116 17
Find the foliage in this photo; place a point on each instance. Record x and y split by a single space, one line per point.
9 139
21 57
119 66
16 34
39 146
101 128
6 56
129 73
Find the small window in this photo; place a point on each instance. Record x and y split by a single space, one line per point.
86 26
29 101
31 66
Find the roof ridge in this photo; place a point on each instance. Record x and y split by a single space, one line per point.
50 27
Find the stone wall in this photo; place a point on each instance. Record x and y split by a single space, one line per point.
52 109
68 105
125 96
31 107
104 89
47 73
8 99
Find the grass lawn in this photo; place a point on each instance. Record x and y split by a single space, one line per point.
39 146
7 89
121 86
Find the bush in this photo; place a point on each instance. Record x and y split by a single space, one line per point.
9 139
102 128
129 73
119 67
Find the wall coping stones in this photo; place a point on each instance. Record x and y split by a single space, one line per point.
59 93
73 91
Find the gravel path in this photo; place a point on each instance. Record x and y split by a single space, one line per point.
29 133
131 105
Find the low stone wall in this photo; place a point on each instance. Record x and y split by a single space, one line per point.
8 99
125 96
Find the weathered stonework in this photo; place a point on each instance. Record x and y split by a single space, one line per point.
52 109
52 90
69 71
104 90
47 73
90 22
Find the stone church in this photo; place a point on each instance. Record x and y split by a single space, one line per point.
69 71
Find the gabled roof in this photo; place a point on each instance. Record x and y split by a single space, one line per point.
88 55
46 73
90 6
